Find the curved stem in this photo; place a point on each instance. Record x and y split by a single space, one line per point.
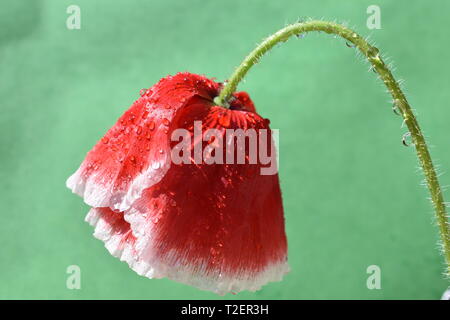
400 103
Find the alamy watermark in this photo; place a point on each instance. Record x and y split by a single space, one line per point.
73 21
226 146
73 281
374 280
374 18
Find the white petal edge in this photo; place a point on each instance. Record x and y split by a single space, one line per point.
194 276
98 195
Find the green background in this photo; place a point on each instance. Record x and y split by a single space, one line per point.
352 192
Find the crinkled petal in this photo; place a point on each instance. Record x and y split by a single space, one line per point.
114 231
134 154
217 227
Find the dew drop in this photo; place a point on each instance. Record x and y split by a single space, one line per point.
139 130
105 140
406 139
151 125
225 120
350 45
155 165
166 121
142 92
395 107
373 52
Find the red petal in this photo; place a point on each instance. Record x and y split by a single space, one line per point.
217 227
134 154
111 228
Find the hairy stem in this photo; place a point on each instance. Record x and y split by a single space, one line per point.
400 104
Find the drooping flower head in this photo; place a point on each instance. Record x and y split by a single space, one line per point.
163 202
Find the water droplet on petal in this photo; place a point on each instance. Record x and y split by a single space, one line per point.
105 140
155 165
166 121
224 120
142 92
151 125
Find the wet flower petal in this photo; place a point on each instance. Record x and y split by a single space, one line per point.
128 159
216 226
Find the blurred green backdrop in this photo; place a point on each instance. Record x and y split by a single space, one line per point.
352 192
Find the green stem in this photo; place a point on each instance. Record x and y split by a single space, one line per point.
400 103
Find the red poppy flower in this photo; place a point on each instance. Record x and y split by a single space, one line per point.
216 226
